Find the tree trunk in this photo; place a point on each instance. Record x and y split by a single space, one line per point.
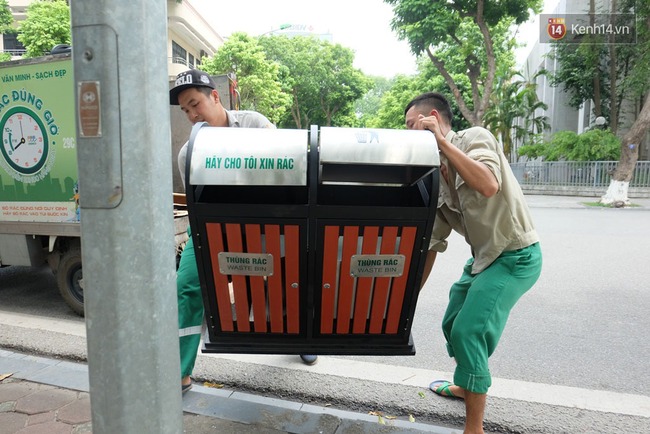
475 117
596 80
488 85
295 110
440 66
613 76
618 187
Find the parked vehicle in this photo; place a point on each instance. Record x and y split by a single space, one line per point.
39 183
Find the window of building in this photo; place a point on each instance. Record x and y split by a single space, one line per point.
179 54
191 60
12 44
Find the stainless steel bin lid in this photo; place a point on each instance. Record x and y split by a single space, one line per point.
248 156
381 156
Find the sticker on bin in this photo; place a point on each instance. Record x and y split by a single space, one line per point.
249 156
377 265
247 264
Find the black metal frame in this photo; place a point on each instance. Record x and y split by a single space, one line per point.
312 207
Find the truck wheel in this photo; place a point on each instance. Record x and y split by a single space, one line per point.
69 279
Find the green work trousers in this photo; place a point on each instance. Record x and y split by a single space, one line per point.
479 305
190 308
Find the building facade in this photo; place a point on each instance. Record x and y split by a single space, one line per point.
189 37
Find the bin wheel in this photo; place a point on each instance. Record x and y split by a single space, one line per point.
69 277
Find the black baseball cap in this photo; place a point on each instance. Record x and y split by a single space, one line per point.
187 79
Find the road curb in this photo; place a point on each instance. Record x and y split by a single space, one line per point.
224 404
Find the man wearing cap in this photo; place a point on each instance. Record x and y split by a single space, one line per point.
195 92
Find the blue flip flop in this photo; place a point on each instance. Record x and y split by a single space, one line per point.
441 387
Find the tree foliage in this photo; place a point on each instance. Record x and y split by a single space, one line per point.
6 22
6 18
404 89
320 79
257 77
469 37
47 24
296 82
593 145
368 106
512 113
393 101
578 67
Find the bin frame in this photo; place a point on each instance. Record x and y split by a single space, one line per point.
311 218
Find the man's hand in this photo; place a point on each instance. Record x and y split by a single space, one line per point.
475 174
430 123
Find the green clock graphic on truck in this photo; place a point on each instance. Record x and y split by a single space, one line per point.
24 140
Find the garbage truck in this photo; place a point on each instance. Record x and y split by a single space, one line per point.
39 183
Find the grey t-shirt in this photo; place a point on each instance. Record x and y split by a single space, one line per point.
236 119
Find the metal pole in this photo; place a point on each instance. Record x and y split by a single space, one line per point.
123 146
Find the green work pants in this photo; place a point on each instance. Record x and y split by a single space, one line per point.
479 305
190 308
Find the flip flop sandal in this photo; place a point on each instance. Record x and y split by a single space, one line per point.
185 388
441 387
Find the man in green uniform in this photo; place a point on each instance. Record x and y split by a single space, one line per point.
195 92
480 198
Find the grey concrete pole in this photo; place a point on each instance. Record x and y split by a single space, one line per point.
124 157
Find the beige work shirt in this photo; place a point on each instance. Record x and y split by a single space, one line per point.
490 225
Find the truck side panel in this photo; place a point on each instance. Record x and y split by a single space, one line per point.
20 250
38 159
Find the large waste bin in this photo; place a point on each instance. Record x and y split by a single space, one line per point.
311 242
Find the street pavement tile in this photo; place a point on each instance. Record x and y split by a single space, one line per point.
21 367
196 423
77 411
5 354
12 422
64 374
7 406
355 426
46 428
40 360
45 400
35 419
13 390
86 428
248 397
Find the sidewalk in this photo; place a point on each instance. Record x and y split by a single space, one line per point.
548 201
47 396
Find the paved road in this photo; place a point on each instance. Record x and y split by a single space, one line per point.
573 358
585 319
